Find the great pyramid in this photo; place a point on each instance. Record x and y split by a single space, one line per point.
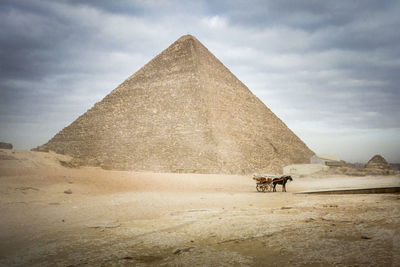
184 111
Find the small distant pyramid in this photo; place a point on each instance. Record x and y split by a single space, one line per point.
184 111
378 162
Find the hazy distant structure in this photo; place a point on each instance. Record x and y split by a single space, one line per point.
378 162
184 111
4 145
328 160
304 169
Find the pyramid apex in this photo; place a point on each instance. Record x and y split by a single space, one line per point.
187 37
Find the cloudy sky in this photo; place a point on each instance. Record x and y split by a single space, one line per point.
329 69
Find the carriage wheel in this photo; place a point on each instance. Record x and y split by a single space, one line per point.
259 188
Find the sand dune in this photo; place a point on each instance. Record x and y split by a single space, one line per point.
127 218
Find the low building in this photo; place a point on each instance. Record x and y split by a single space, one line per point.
327 160
304 169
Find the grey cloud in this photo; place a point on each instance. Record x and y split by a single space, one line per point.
325 64
118 7
304 15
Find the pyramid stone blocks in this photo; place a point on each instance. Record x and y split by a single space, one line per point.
184 111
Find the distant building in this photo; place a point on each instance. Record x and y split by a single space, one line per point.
304 169
328 160
395 166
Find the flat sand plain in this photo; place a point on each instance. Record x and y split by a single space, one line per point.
118 218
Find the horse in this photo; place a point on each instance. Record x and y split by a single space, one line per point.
283 180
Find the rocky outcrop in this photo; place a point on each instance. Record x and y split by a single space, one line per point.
5 145
184 111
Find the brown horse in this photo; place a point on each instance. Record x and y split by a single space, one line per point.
283 180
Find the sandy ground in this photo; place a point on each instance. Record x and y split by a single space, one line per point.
115 218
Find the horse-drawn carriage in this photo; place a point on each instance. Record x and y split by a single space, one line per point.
268 182
264 183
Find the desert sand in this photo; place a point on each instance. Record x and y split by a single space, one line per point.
52 215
